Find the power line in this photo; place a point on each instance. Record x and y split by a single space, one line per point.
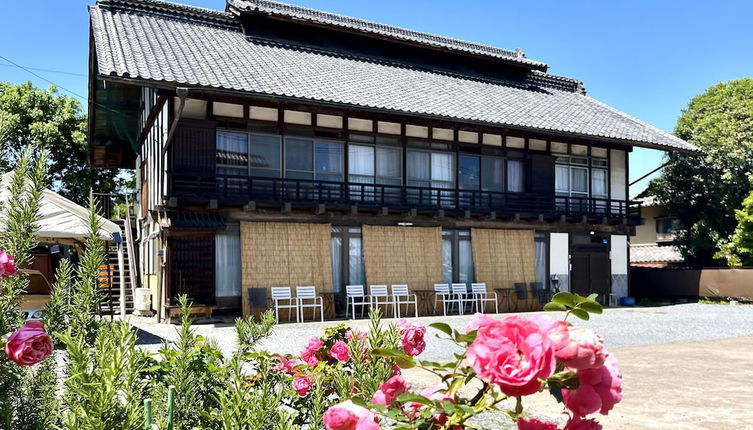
85 99
47 70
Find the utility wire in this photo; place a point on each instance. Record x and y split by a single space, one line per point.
47 70
85 99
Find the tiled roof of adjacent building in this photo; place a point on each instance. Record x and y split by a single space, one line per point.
652 253
360 25
173 44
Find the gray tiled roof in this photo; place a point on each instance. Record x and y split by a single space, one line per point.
155 41
360 25
652 253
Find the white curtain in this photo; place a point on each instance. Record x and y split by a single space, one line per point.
337 272
562 179
418 168
356 273
540 252
599 182
465 259
447 260
361 160
515 176
228 264
388 167
579 177
441 170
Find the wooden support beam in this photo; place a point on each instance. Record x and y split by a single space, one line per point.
384 211
440 213
153 114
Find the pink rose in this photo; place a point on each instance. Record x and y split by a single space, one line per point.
396 370
389 391
512 353
7 265
558 331
340 351
349 416
599 389
534 424
29 345
309 352
584 349
285 365
434 392
477 321
413 339
302 385
578 423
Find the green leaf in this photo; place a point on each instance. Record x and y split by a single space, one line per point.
413 397
564 298
580 313
444 328
360 402
592 297
554 307
467 338
591 307
405 361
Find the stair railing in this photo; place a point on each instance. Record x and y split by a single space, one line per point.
132 263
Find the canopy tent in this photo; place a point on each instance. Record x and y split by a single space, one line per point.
60 218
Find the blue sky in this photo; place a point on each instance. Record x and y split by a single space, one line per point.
647 58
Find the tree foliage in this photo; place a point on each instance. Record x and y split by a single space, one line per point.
47 119
738 251
703 191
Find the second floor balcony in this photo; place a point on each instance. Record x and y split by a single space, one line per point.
237 190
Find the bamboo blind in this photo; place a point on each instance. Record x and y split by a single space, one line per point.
403 255
284 255
503 257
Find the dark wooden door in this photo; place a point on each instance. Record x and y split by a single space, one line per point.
191 270
590 273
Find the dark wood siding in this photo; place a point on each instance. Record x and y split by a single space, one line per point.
540 174
191 271
193 148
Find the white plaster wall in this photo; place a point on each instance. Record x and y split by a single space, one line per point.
617 174
619 254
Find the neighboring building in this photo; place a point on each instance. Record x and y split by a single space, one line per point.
654 242
278 145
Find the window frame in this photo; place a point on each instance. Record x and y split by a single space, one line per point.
376 176
453 168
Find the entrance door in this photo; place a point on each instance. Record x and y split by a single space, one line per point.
590 271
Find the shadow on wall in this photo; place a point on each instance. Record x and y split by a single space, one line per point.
675 283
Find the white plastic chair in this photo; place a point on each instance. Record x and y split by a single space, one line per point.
377 292
283 294
309 293
460 290
402 296
481 296
354 292
442 291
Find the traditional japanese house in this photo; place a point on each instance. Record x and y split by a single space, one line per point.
276 145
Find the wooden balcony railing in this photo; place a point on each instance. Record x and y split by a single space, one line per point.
230 189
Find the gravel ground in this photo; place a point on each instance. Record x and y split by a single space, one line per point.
621 327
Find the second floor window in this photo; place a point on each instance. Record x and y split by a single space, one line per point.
430 169
374 165
313 159
577 177
232 153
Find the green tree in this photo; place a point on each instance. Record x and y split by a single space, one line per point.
47 119
703 191
738 250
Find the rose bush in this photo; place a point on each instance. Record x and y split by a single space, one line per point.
513 357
